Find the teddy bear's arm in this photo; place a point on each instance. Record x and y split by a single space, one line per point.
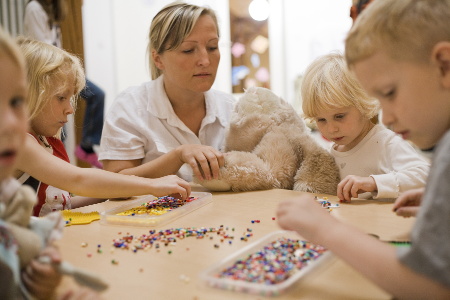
318 173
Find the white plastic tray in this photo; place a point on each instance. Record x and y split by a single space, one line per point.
110 216
206 277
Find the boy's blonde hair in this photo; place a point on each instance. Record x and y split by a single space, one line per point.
407 29
45 65
11 49
171 25
327 84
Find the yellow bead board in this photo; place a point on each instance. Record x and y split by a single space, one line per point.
77 218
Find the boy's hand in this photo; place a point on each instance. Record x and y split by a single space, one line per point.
205 157
408 204
306 216
81 294
353 185
41 279
169 185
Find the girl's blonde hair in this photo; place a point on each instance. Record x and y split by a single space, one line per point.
46 65
9 48
406 29
173 24
327 84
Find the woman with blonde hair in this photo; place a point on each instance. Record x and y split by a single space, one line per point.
154 129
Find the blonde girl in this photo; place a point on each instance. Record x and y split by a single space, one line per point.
54 79
371 158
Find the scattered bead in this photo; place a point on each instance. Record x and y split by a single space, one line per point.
170 252
216 246
114 262
273 218
89 255
84 245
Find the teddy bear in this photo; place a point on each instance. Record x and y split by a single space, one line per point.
268 146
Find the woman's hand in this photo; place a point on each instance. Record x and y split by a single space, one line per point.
408 204
306 216
202 159
41 279
353 185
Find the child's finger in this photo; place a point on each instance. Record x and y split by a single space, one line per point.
346 191
42 291
185 189
407 211
340 189
52 252
354 190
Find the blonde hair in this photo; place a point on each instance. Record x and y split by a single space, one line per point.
407 29
45 64
328 84
172 24
9 48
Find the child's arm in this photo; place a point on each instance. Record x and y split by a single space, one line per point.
45 167
41 279
374 259
408 204
199 157
404 169
79 201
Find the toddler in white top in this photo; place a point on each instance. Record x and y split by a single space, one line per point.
373 161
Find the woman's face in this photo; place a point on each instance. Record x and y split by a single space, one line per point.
193 66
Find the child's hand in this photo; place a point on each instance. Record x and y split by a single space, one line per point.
81 294
408 204
306 216
171 184
41 279
205 157
353 185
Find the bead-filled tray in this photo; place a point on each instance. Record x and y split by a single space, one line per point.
135 213
267 267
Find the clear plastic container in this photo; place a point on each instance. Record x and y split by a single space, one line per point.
110 216
207 277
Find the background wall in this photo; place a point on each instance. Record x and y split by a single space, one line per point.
116 37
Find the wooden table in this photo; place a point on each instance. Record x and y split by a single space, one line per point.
156 275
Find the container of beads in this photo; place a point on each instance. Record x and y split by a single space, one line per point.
152 211
267 267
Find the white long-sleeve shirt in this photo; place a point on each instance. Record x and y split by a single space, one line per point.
392 162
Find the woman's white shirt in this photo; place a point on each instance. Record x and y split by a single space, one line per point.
141 124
